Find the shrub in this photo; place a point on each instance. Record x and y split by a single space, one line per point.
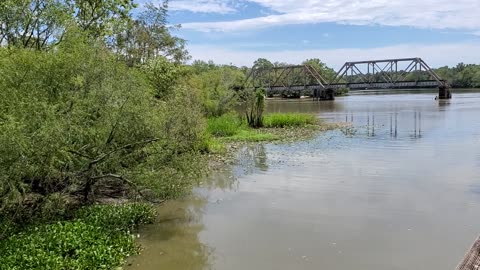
74 118
215 86
281 120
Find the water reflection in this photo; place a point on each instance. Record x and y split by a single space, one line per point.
251 158
173 241
379 124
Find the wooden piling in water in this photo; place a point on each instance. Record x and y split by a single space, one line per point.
472 258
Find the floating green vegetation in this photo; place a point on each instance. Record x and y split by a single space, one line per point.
98 238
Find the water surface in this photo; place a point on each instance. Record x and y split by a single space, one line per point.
398 190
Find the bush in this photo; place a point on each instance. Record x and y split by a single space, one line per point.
215 86
281 120
342 91
98 239
75 118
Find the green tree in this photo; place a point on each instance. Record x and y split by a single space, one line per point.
216 87
149 36
33 23
41 24
326 72
99 17
262 63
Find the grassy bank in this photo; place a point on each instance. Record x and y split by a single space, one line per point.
99 237
230 128
286 120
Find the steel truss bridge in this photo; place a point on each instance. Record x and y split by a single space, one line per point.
361 75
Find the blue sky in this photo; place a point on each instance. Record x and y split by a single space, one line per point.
443 32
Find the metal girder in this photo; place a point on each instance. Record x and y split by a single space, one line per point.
389 73
365 74
283 77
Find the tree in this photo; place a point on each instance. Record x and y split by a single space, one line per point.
100 17
40 24
326 72
149 36
33 23
216 86
262 63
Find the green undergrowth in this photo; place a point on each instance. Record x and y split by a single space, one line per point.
226 125
99 237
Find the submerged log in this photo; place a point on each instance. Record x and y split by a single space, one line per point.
472 259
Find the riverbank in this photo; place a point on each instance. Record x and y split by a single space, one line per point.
102 236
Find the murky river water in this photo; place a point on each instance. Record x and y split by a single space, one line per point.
400 190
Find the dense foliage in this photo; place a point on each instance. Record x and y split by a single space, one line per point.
462 75
90 106
76 121
215 84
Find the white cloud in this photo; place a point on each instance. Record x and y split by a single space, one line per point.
202 6
438 14
434 55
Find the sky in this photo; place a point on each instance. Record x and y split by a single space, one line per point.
442 32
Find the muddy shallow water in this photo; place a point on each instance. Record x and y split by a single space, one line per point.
400 189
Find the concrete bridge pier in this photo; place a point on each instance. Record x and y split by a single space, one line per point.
444 92
324 94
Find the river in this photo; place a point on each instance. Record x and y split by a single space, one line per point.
399 189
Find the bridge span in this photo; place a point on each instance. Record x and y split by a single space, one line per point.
404 73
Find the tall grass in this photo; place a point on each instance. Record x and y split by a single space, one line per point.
281 120
225 126
231 127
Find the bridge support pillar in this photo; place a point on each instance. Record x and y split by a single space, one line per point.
444 92
324 94
329 94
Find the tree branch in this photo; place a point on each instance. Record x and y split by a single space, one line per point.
104 156
130 183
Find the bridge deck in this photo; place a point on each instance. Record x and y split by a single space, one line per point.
356 86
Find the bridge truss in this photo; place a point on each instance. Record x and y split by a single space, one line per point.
287 80
404 73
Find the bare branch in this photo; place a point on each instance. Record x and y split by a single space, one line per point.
106 155
130 183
